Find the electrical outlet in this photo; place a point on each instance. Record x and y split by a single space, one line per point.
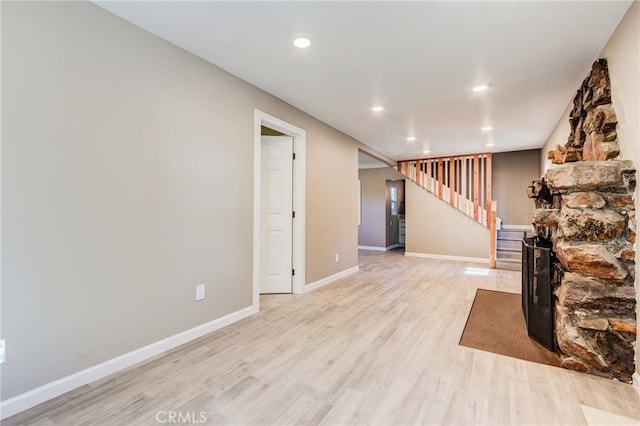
200 292
3 354
337 257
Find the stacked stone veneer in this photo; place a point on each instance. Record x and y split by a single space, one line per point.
590 216
593 135
586 207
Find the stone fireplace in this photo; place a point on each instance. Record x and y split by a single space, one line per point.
585 209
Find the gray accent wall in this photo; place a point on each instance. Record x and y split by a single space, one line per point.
512 173
127 180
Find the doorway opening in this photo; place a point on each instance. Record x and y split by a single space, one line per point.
381 220
276 214
395 214
295 252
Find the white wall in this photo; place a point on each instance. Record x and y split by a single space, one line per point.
559 136
127 180
434 227
623 55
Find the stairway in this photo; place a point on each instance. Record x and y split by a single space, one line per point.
509 249
462 181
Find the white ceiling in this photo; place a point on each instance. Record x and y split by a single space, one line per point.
368 162
418 59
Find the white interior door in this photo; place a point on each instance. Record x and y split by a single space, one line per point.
276 273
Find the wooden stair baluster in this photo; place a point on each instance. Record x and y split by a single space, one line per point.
451 186
440 178
467 178
476 187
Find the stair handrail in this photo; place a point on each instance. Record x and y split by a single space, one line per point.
463 181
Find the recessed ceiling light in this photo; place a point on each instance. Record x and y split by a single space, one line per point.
487 128
490 144
480 88
411 138
302 42
426 151
377 108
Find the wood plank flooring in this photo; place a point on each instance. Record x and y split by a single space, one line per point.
379 347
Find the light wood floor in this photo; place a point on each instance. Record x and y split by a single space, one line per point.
378 347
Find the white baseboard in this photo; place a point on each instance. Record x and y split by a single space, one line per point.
331 278
635 379
372 248
447 257
51 390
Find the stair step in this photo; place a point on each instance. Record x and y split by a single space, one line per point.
510 245
509 266
507 254
506 260
511 235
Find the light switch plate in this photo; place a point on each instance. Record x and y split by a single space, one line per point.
200 292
